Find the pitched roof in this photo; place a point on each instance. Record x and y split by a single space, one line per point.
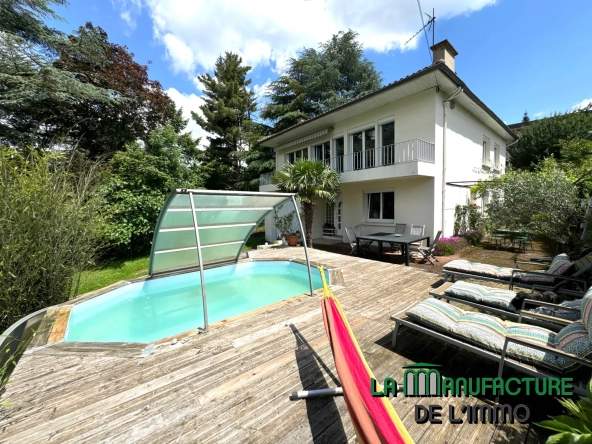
438 66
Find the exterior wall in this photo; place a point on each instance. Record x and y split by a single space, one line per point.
464 157
414 204
414 119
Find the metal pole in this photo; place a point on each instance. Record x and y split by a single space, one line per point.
338 391
304 241
201 270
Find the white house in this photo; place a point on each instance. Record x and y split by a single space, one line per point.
402 151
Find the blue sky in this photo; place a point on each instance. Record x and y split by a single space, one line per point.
516 56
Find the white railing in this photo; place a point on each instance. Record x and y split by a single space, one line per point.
265 179
415 150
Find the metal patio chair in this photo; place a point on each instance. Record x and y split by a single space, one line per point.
399 229
428 252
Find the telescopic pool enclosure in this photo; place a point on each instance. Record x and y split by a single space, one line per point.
199 229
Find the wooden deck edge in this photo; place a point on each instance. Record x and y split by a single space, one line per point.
58 331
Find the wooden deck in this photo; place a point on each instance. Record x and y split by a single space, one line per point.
233 383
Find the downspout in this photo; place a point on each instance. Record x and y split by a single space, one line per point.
444 130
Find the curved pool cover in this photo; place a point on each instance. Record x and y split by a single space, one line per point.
159 308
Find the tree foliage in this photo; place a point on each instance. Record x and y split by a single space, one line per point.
542 138
227 116
49 230
142 105
139 180
311 180
319 80
32 88
258 159
545 201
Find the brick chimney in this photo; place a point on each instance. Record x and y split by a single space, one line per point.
444 52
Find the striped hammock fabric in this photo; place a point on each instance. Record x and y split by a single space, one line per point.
374 418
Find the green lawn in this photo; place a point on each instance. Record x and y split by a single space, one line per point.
127 269
113 271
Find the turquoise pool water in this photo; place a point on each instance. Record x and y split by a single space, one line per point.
158 308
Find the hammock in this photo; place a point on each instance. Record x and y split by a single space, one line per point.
374 418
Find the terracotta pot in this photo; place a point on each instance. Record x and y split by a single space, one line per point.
292 240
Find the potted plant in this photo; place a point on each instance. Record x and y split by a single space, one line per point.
285 226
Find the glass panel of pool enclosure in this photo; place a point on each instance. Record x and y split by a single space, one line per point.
205 228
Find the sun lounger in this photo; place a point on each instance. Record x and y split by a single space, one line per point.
534 350
499 301
557 278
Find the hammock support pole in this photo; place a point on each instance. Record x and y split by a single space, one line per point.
338 391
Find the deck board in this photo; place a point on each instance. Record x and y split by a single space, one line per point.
233 383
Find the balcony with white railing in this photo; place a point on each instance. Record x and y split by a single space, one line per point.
413 157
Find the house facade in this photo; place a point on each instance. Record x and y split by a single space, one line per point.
406 152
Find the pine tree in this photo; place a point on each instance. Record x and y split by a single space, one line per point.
227 112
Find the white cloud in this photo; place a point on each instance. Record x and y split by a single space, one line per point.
268 32
126 16
129 9
583 104
189 102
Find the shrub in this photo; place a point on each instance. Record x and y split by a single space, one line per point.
448 246
48 232
474 237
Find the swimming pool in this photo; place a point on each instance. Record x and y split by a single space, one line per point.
159 308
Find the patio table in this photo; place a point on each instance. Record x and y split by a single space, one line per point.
511 233
403 240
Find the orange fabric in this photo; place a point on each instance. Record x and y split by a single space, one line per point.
374 418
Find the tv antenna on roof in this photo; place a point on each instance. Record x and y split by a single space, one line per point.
431 24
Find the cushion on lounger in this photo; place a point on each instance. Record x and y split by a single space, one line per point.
573 339
490 332
485 330
559 261
494 297
557 312
545 277
464 266
436 314
587 311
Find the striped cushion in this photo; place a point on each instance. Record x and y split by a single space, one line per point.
558 262
490 333
587 311
487 331
573 339
480 269
534 335
563 269
436 314
562 314
495 297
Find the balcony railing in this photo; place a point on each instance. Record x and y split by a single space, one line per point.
403 152
414 150
265 179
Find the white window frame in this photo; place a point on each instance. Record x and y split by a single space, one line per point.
305 149
351 144
380 220
334 155
496 155
486 156
381 123
323 151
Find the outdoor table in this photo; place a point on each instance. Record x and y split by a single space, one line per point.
511 233
404 240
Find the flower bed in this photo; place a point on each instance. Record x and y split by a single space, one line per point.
447 246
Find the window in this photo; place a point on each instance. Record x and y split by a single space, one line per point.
363 144
387 140
322 152
339 152
486 160
381 206
496 155
295 155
